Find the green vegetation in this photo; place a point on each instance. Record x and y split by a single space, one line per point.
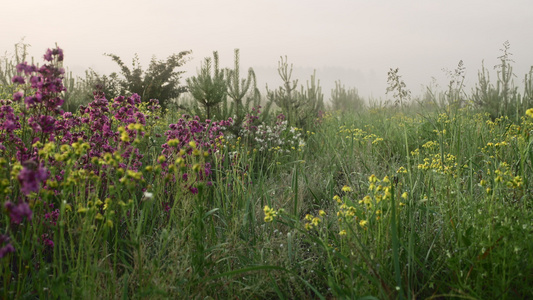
427 199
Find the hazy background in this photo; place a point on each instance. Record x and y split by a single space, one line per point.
354 41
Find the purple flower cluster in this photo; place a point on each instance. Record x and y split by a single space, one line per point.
18 212
204 134
34 117
8 248
30 178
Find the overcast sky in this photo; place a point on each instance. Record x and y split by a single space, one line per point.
354 41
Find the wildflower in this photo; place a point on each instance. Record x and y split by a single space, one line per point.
321 213
308 226
337 198
4 239
346 189
17 213
270 213
30 177
148 195
342 232
363 223
404 195
109 223
372 178
529 112
401 170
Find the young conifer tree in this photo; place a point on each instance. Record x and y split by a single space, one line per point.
208 89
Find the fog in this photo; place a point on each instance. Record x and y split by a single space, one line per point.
354 41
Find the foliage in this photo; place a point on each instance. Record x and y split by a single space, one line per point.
300 107
161 81
345 99
209 90
243 89
117 200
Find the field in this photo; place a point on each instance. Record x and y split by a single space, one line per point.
405 200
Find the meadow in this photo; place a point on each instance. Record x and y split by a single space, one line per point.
120 199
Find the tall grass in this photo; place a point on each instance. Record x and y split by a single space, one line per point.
389 202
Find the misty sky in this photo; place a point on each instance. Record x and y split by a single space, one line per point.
353 41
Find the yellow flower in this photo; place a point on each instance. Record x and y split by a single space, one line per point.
308 226
342 232
363 223
173 142
372 178
269 213
529 112
337 198
404 195
321 213
109 223
346 189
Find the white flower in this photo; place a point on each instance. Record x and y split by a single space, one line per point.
148 195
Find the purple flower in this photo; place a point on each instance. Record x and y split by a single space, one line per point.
4 239
19 80
18 96
17 213
48 55
31 177
193 190
6 249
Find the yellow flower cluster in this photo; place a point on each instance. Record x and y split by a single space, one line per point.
312 221
434 162
529 112
270 213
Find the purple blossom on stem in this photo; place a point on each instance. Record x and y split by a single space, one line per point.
18 212
31 177
19 80
17 96
4 239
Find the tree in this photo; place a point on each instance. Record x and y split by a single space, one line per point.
209 90
345 99
161 81
243 89
299 107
